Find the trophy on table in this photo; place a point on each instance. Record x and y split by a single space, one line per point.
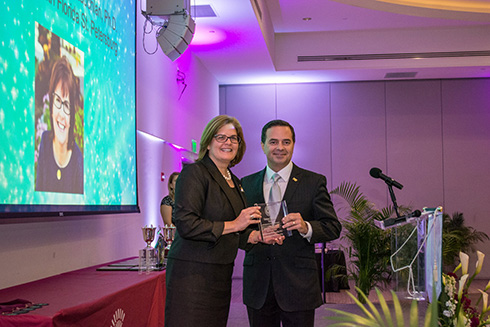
147 255
169 234
160 248
165 236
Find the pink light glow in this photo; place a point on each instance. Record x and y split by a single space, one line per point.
207 35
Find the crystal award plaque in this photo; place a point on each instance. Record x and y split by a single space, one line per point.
271 222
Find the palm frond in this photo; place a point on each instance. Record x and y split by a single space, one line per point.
371 316
457 236
369 249
351 194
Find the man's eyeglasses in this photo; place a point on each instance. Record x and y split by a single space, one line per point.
58 103
222 138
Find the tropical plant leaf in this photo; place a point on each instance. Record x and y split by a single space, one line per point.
351 194
372 307
374 318
400 322
350 319
414 315
360 305
369 249
458 237
384 307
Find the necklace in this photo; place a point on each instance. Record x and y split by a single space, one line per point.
228 178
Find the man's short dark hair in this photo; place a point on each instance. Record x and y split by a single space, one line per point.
276 122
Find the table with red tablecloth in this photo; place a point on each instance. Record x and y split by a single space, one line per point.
91 297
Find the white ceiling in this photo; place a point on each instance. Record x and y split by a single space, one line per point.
242 45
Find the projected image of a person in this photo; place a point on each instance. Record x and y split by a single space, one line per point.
60 162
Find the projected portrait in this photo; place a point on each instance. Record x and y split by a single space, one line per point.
59 115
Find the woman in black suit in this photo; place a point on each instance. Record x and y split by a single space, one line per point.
210 211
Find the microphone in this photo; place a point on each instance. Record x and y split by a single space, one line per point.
395 221
377 173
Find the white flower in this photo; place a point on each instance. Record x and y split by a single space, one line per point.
479 262
485 301
462 283
464 258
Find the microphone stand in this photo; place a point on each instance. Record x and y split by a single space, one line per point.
393 199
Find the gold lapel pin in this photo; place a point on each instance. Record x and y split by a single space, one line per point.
295 179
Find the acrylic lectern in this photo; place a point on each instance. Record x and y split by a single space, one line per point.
416 253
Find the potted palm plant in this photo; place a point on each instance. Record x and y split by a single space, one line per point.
369 246
458 237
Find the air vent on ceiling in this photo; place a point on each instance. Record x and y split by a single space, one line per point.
401 75
202 11
384 56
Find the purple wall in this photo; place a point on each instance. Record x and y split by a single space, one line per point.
433 136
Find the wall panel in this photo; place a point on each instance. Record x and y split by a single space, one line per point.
307 108
414 141
359 136
466 132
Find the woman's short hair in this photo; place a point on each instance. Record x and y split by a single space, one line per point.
62 72
213 127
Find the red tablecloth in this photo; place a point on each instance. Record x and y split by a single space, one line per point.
91 298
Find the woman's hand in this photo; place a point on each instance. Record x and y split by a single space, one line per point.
271 236
248 216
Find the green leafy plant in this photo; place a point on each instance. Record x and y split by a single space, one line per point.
369 249
372 317
458 237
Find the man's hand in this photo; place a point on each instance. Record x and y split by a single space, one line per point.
294 221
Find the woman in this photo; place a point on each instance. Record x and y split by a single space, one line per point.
209 213
167 204
60 162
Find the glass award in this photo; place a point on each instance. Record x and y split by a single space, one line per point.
271 221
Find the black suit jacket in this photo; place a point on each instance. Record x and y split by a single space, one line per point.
291 266
202 205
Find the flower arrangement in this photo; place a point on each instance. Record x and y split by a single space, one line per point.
455 306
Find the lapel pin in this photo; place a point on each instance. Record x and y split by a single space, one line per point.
295 179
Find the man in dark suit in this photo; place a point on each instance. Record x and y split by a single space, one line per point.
280 277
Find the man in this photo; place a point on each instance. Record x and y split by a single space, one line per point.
280 277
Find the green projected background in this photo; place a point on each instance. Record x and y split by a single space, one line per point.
98 39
